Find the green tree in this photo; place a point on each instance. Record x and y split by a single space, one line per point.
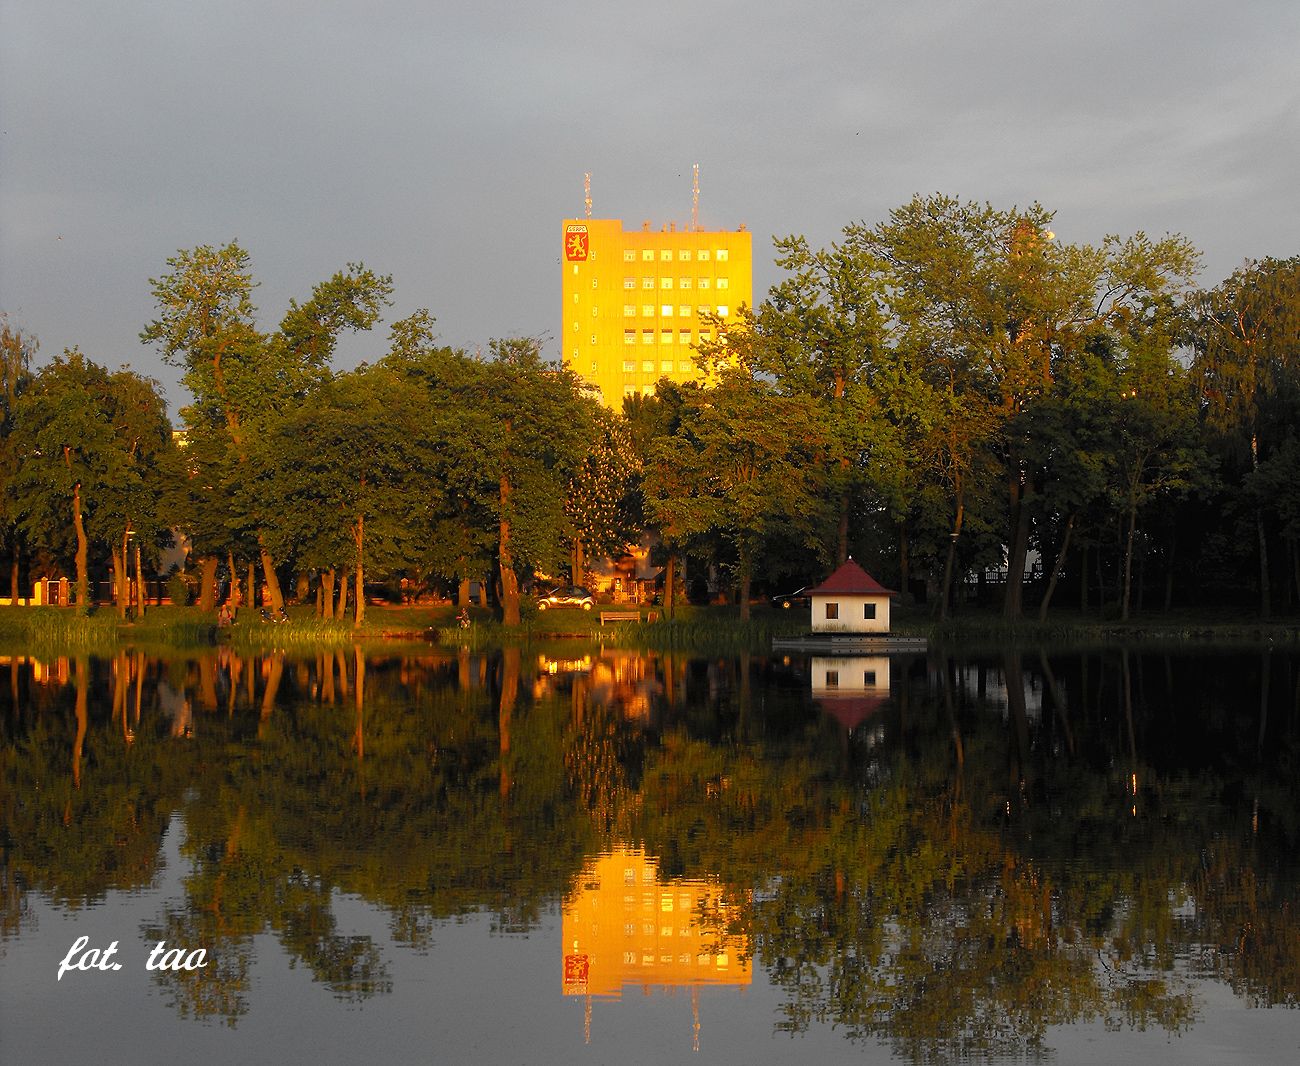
16 352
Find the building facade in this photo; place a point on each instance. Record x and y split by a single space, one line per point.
636 301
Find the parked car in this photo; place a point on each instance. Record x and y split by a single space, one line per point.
570 596
798 598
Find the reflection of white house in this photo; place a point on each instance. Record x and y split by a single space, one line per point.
850 601
850 687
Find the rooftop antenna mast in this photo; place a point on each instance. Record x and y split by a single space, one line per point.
586 190
695 196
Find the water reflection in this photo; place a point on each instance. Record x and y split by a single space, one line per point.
953 856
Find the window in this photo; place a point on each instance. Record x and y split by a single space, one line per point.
705 283
723 310
594 312
684 367
629 336
647 283
683 256
702 256
832 678
832 610
684 311
629 255
593 363
666 310
593 338
647 366
647 390
647 310
665 283
685 283
706 335
629 390
684 336
704 309
575 268
666 256
724 283
629 283
575 327
666 337
629 367
666 366
595 283
575 297
868 610
647 255
647 336
629 310
721 255
869 678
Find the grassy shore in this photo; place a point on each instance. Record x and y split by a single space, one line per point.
705 629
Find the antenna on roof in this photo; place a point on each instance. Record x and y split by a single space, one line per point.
586 191
695 196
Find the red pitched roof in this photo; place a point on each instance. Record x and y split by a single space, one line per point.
851 580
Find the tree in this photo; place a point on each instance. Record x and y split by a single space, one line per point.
1247 358
738 466
238 375
16 352
93 450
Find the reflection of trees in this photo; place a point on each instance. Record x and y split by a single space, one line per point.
993 866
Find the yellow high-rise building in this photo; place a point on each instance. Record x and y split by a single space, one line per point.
635 300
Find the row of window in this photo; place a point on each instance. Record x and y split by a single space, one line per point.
833 679
684 366
666 310
665 336
680 283
667 255
868 610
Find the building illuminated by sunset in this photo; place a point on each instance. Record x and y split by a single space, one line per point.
635 301
625 927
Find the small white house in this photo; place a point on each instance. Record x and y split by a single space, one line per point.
850 601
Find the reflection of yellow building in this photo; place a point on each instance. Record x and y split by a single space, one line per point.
635 301
624 926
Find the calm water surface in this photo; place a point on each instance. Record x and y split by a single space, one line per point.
583 855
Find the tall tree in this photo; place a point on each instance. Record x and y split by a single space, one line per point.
16 352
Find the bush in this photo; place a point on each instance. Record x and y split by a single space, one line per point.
178 589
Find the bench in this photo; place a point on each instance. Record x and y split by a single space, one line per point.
619 616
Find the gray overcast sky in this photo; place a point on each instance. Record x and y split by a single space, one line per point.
444 142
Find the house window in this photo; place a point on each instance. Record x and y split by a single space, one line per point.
629 390
868 610
665 283
647 336
629 283
832 610
832 678
629 336
684 310
647 255
647 310
684 366
665 336
724 283
648 366
629 255
684 336
721 255
666 255
647 283
666 366
595 283
869 678
629 310
705 283
666 310
629 367
702 256
685 283
683 256
723 310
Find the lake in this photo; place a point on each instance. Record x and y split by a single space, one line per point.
569 853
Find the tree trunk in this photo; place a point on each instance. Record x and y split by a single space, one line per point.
945 593
746 579
272 582
139 585
1056 570
234 597
341 608
327 593
462 592
577 563
14 589
207 582
121 580
79 527
1017 550
904 564
359 537
670 579
505 557
1128 559
250 586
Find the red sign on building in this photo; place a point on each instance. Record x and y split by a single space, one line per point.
576 970
575 243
